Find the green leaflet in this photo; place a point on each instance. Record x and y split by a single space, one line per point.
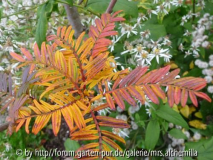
204 148
176 133
71 145
152 134
167 113
43 13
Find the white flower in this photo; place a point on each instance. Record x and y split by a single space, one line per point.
166 57
161 9
187 33
127 29
131 110
166 41
205 44
137 107
120 133
184 20
7 147
134 125
187 134
178 127
142 17
201 3
208 79
150 12
211 57
197 62
115 39
181 47
130 49
194 50
187 53
211 63
171 125
13 17
203 65
177 2
197 136
143 58
210 89
139 49
158 52
119 109
145 34
123 117
167 4
155 43
207 72
104 111
148 111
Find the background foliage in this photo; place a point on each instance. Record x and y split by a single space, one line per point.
155 33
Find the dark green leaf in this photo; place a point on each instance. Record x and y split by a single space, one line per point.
165 126
49 6
71 145
167 113
156 30
137 117
100 6
152 134
178 134
41 28
70 2
204 148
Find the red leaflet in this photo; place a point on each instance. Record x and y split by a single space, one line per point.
193 98
170 94
17 57
118 100
27 54
127 97
63 31
110 101
158 91
150 94
37 51
203 95
177 95
184 96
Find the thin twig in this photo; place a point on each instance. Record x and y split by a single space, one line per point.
74 19
4 126
111 6
193 18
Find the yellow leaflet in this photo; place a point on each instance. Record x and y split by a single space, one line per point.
185 111
197 124
191 66
198 115
175 108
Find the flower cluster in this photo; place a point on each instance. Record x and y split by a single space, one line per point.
199 35
179 143
207 71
